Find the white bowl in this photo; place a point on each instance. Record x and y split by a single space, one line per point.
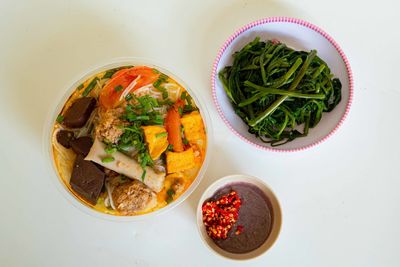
300 35
56 109
276 210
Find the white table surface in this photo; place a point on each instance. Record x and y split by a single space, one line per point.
340 200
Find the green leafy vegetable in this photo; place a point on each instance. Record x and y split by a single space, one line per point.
80 86
274 89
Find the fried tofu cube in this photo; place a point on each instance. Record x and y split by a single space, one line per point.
157 140
180 161
193 127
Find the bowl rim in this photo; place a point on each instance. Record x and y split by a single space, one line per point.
226 180
287 20
58 104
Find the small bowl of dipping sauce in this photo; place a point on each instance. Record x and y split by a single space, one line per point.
239 217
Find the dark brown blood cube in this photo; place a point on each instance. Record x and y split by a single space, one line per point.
79 112
82 145
87 180
65 137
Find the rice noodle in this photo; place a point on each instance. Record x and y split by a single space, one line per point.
148 90
174 91
86 130
129 88
110 189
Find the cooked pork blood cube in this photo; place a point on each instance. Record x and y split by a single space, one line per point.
82 145
87 180
79 112
65 137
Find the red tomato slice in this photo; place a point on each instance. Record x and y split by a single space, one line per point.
111 92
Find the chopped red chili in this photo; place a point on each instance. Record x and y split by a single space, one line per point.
220 216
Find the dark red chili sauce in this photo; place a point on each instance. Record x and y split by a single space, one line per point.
238 217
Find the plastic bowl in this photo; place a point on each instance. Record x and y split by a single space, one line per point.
56 109
276 224
299 35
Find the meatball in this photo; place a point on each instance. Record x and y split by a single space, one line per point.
109 128
132 197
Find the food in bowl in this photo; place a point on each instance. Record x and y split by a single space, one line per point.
129 141
238 217
277 90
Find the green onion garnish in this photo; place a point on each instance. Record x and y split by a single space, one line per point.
128 97
60 118
90 87
161 134
118 88
107 159
110 150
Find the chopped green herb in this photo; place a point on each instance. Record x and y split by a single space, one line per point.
161 134
188 108
180 110
90 87
167 102
185 141
156 71
157 84
80 86
144 111
170 195
111 72
110 150
118 88
107 159
145 160
133 137
128 97
60 118
183 95
170 147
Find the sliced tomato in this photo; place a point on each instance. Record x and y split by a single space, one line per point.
112 91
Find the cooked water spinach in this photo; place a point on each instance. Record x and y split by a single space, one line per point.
275 89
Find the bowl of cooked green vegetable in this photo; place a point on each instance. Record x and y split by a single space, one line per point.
282 84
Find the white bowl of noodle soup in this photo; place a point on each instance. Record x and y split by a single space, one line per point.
60 172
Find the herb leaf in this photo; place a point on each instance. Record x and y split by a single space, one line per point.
107 159
90 86
60 118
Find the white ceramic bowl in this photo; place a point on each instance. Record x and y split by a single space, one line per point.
276 210
56 109
299 35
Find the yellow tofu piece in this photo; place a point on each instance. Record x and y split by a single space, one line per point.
193 127
157 140
180 161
